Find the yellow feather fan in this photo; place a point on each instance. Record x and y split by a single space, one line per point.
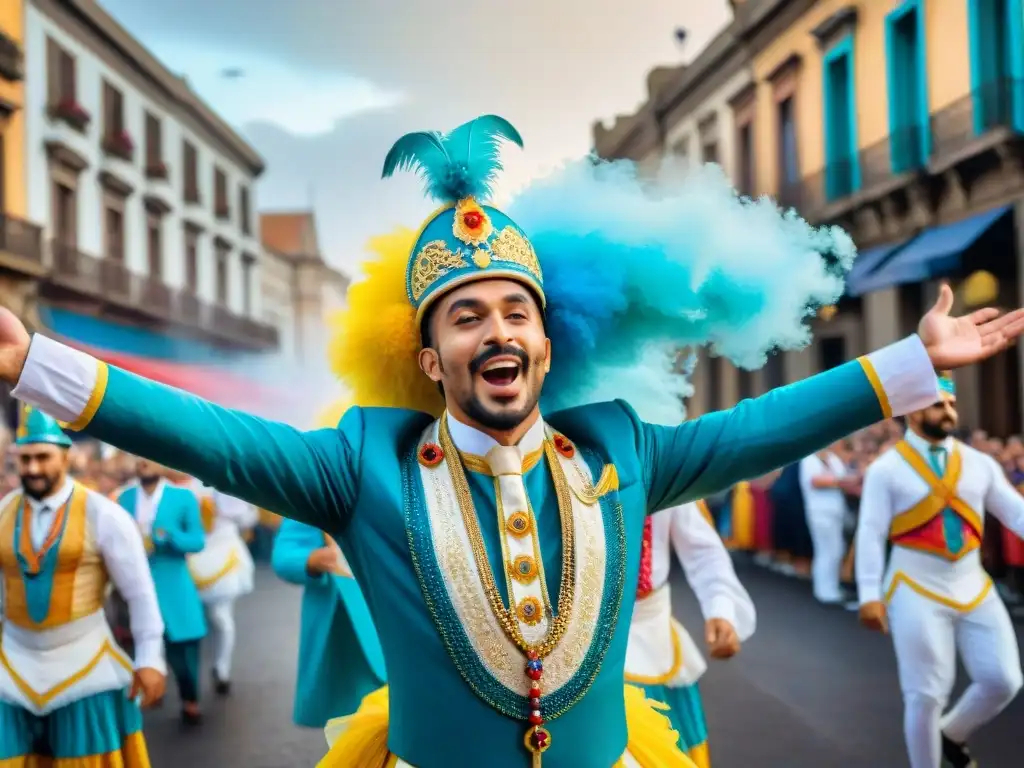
375 344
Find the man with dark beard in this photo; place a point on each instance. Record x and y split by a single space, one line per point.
928 496
68 693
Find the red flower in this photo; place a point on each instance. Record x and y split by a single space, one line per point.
431 455
564 446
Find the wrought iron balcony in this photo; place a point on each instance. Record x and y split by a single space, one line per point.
109 281
960 128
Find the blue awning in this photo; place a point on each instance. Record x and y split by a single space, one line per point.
936 252
866 263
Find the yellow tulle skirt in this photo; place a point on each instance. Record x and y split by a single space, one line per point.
361 740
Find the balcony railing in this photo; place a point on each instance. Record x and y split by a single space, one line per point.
903 151
952 132
998 104
110 280
21 238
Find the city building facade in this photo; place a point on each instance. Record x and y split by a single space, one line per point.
902 122
21 254
301 289
145 195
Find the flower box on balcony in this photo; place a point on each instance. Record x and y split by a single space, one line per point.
71 112
156 170
120 145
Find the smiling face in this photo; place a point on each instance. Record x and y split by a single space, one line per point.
485 344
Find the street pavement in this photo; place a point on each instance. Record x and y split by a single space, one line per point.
811 689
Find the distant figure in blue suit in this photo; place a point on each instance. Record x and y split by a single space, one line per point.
172 528
340 659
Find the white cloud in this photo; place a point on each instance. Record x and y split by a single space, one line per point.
306 104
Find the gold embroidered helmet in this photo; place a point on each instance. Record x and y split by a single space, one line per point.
466 239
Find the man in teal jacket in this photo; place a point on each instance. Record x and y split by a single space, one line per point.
498 547
169 520
340 659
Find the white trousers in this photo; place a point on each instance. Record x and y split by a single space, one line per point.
220 615
927 636
829 549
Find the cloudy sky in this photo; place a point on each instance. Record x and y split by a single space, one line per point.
328 85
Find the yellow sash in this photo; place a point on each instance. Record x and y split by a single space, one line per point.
942 494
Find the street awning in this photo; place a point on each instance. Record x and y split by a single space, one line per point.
865 265
936 252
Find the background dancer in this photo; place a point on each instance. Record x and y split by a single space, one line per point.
662 657
68 694
928 496
223 572
168 517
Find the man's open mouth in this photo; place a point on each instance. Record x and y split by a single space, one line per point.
501 373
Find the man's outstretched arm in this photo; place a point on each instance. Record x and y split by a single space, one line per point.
308 476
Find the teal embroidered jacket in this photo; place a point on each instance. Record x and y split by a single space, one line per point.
177 518
359 483
340 659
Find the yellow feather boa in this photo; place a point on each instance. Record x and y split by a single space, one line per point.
361 740
375 344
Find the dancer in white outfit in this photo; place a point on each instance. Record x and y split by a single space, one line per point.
928 496
661 656
223 572
822 479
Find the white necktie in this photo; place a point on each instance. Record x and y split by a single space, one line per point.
520 546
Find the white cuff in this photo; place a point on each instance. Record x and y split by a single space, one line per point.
57 380
149 654
721 607
903 377
869 592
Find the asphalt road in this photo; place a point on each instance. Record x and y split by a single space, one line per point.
810 689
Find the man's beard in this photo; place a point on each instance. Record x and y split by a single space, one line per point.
504 420
42 486
937 430
149 479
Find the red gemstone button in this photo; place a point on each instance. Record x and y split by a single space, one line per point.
533 674
472 219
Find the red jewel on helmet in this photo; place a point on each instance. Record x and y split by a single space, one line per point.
472 219
431 455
